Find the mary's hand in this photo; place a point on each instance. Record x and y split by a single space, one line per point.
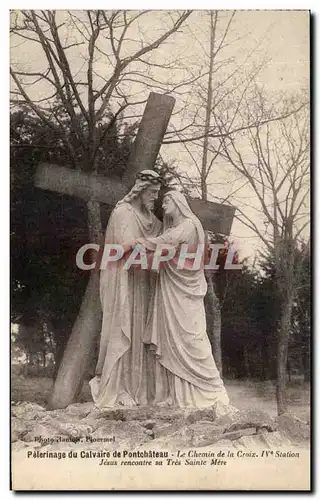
129 245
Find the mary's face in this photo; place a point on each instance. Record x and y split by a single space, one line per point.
168 205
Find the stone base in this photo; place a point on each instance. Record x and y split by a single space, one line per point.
172 428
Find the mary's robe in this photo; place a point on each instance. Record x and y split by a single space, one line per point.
186 374
121 372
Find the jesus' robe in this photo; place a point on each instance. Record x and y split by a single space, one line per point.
121 372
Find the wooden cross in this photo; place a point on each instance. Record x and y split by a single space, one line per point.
214 217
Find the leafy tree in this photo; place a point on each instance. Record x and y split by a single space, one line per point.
47 229
299 335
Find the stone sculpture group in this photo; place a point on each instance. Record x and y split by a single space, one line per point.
154 348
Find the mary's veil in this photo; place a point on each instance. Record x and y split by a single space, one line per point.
181 202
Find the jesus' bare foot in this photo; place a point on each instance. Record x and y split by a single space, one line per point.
126 400
164 404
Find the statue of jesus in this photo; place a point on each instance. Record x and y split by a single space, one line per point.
121 373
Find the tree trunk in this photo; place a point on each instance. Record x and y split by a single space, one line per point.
246 362
282 351
289 369
212 303
306 364
204 189
26 367
87 326
262 375
213 313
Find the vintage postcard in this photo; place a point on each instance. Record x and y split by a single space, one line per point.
160 250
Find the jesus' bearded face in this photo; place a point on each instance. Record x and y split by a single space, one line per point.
149 195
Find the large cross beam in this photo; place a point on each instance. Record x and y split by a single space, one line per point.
214 217
87 325
217 218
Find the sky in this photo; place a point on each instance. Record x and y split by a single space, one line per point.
281 37
284 38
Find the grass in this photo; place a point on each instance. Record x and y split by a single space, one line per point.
243 394
262 395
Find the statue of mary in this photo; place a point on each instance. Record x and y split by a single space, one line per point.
186 374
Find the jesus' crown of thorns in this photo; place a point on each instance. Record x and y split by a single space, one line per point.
153 178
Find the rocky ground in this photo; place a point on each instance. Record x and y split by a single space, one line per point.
171 428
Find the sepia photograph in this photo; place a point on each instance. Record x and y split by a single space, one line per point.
160 254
